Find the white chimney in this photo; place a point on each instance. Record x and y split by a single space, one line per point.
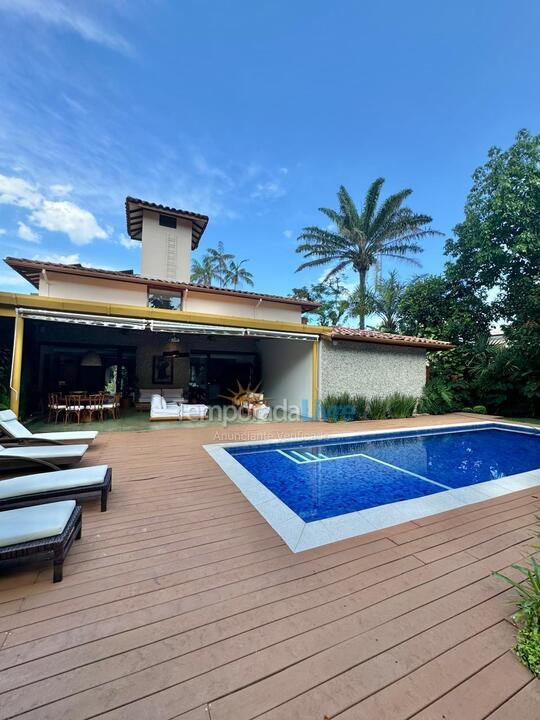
168 237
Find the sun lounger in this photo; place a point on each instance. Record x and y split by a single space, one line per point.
77 483
52 457
41 529
13 429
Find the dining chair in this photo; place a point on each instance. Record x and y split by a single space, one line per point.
95 406
74 406
55 406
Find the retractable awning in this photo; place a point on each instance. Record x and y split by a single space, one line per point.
158 325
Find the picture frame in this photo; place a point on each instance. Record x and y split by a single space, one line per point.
162 370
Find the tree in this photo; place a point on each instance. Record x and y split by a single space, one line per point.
442 307
220 258
203 271
384 301
236 274
333 298
358 238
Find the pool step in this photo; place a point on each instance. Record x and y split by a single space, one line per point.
303 456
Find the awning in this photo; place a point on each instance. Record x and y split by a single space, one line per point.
158 325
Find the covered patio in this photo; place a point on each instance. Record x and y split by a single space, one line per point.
182 602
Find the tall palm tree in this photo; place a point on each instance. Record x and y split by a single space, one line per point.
203 271
384 300
220 258
236 274
358 238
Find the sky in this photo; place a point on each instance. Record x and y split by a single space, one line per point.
253 113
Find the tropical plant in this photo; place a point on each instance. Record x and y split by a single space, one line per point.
377 408
400 405
333 299
436 399
358 239
384 301
220 260
203 271
236 274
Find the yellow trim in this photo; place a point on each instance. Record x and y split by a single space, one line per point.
6 312
16 365
314 379
14 300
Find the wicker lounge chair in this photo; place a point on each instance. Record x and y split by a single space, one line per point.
77 483
52 457
13 429
40 530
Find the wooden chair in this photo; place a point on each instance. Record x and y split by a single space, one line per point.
74 406
55 406
95 406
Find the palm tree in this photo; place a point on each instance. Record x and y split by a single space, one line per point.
385 302
220 258
236 274
357 239
203 271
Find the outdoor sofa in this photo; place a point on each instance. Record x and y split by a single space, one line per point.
38 457
77 483
13 429
160 409
49 529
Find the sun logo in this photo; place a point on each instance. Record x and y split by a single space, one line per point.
243 394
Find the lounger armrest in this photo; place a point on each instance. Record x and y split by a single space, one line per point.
26 460
9 441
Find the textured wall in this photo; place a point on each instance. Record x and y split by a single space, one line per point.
371 369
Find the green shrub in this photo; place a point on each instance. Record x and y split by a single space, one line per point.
401 405
528 648
481 409
528 613
467 409
436 399
377 408
360 404
338 408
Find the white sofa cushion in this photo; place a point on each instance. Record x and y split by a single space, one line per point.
49 481
45 452
34 523
193 411
155 403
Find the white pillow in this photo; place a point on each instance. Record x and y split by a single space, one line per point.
163 403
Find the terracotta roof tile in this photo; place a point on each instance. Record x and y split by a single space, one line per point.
341 332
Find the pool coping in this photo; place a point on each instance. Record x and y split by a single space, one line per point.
300 535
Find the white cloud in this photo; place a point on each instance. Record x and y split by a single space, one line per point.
16 191
128 243
64 216
59 190
3 231
66 16
11 279
284 170
25 232
57 258
269 190
288 233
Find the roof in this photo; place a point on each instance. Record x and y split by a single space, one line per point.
31 271
134 218
347 333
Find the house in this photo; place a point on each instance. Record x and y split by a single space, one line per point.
91 328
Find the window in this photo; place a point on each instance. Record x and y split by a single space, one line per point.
165 299
167 221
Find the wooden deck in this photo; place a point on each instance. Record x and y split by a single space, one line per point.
182 602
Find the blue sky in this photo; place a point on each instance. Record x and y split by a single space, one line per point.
250 112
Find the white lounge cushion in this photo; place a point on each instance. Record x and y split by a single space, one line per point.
171 412
10 425
49 481
44 452
193 411
85 436
155 403
34 523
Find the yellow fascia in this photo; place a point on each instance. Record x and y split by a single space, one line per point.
10 301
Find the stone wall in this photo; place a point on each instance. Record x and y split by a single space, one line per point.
371 369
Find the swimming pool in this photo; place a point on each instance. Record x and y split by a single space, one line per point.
319 490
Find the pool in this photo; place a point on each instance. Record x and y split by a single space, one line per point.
323 489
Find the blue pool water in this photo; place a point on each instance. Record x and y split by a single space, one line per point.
340 475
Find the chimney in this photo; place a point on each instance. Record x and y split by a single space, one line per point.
168 238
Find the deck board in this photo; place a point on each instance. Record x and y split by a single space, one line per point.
182 602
